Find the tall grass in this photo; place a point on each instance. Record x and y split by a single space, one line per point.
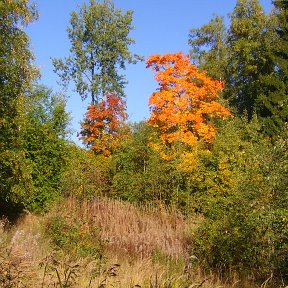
142 247
134 232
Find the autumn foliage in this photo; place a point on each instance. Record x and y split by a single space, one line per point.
185 103
102 127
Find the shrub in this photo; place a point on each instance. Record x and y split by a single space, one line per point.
139 174
86 174
246 213
75 236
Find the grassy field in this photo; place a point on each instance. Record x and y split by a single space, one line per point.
104 243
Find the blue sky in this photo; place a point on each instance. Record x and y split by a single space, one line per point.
161 26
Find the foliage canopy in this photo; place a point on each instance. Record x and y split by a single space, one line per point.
99 36
184 106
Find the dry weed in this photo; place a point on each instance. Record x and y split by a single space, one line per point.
20 251
146 248
135 232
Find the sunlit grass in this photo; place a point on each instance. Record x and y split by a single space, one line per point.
140 247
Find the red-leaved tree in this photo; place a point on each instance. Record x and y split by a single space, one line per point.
102 129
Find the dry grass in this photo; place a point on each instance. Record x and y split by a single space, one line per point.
21 249
145 248
135 232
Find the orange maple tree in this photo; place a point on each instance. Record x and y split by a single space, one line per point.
186 101
103 125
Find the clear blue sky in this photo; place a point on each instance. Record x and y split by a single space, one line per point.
161 26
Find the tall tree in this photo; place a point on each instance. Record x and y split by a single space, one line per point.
246 55
250 57
16 76
99 48
272 105
209 47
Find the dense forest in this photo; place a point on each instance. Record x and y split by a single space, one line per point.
196 196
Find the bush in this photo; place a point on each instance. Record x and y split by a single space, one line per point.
246 227
75 236
86 174
139 174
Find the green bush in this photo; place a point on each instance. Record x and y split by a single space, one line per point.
75 236
140 175
246 226
254 244
86 174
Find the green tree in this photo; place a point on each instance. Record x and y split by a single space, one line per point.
99 48
209 47
246 55
251 58
16 76
45 145
272 105
140 175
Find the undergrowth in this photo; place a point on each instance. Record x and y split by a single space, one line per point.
105 243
